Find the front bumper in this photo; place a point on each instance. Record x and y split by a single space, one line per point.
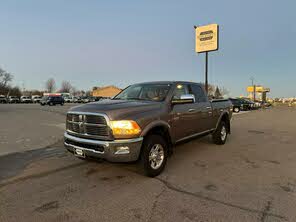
114 151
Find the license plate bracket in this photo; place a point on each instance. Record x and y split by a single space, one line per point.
79 152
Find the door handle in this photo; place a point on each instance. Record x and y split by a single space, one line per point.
191 110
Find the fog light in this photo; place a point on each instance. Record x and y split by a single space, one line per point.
122 150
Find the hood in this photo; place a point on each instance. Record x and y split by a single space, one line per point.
118 109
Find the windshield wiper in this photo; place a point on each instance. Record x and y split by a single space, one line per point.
136 98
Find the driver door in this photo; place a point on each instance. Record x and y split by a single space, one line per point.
182 115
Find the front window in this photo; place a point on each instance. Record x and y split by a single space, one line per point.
180 90
150 92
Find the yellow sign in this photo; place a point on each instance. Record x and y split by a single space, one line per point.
259 89
206 38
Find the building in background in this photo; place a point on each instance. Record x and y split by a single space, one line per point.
260 92
105 92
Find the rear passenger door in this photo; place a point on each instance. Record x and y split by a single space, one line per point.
203 109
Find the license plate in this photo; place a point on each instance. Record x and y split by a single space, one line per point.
79 152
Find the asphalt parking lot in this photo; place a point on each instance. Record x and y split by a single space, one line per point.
251 178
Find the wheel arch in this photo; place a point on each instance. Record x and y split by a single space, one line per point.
159 128
224 117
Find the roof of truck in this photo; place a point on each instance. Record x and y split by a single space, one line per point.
167 82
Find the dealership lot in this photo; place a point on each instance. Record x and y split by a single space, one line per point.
251 178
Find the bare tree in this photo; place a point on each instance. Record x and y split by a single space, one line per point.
5 78
66 87
224 92
15 91
211 89
50 85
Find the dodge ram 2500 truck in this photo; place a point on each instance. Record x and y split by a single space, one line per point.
144 122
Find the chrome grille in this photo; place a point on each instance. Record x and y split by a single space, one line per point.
87 125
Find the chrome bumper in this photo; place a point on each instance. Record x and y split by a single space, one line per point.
114 151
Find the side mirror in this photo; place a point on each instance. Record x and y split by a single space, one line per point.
186 98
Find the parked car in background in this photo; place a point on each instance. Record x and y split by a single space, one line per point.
249 104
3 99
266 104
36 99
238 104
25 99
258 104
52 100
92 99
97 98
85 99
13 99
68 99
77 99
144 122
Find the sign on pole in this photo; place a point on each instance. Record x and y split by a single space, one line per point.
207 38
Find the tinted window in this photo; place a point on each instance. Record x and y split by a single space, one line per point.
198 92
181 89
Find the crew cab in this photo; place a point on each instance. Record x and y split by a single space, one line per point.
144 122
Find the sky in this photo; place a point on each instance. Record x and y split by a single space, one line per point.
97 43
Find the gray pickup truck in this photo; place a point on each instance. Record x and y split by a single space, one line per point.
144 122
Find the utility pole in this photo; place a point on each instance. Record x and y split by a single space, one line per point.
254 89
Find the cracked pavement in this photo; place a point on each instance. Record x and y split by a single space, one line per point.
251 178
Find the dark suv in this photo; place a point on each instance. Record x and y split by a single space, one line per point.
239 104
52 100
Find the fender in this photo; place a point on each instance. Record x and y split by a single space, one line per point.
221 116
155 124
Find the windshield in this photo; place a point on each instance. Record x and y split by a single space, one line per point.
151 92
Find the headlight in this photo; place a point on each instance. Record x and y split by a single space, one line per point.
125 129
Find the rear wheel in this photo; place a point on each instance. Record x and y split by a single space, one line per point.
154 155
236 109
220 134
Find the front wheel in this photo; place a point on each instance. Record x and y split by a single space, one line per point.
154 155
220 134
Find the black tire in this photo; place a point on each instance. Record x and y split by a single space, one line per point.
218 136
62 104
236 109
149 142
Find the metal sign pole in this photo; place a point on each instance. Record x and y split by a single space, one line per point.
206 73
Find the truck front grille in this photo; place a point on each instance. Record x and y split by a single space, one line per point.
88 125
